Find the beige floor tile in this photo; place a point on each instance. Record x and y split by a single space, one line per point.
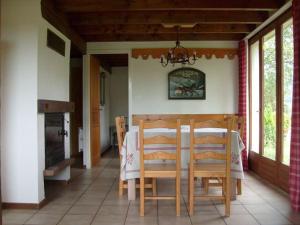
90 200
109 220
113 210
45 219
137 220
171 210
271 219
55 209
234 209
76 220
260 209
174 220
205 209
15 217
83 209
150 211
213 219
240 220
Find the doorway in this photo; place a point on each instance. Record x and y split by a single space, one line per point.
114 87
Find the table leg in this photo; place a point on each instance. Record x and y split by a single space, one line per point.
233 188
131 189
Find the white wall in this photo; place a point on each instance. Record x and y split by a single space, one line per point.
19 78
53 84
86 112
119 93
28 72
147 87
149 82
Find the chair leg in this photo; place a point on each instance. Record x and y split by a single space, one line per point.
191 193
223 187
178 196
205 183
227 197
121 188
154 187
239 186
142 196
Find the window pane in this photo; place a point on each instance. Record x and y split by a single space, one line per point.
288 66
255 136
269 95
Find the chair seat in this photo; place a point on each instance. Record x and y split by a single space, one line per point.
160 170
210 170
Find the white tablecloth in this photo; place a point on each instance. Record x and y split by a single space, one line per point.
130 165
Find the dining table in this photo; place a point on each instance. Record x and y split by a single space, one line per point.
130 157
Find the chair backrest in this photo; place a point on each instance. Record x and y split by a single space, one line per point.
121 131
239 125
211 138
159 139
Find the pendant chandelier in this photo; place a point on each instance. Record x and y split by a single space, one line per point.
178 54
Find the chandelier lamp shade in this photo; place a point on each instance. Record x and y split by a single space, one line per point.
178 54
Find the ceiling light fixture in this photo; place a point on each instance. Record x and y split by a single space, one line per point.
178 54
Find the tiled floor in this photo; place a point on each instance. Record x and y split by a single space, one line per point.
92 198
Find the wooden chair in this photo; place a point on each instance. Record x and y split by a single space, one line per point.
163 170
210 170
238 125
121 131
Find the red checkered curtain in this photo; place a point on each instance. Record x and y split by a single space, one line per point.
295 139
243 95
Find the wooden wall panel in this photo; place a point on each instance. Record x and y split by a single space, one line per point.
95 110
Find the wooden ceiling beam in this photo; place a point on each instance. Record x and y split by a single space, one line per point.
60 22
142 5
161 37
177 18
159 29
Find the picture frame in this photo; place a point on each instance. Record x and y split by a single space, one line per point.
186 83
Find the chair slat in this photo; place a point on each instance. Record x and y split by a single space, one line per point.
160 155
170 124
209 155
210 139
159 139
211 124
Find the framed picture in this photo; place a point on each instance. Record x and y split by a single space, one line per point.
186 83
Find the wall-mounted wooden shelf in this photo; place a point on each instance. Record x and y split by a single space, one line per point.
54 170
50 106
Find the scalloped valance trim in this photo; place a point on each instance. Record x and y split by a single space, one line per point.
156 53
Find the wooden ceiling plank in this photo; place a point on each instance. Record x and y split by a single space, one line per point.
208 17
159 29
138 5
162 37
59 21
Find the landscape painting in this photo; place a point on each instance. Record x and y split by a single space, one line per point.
186 83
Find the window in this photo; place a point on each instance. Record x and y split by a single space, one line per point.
269 95
287 89
254 49
270 99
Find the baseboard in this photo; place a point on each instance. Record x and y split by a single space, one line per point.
16 205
